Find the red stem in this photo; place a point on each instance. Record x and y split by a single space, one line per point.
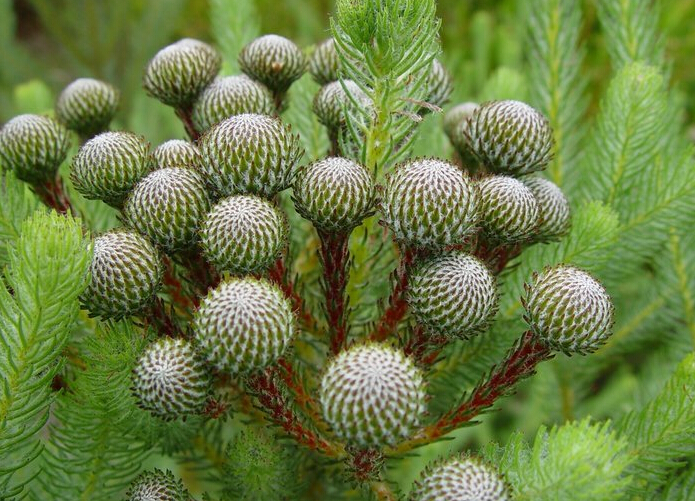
498 257
185 115
276 405
277 274
424 347
53 194
302 398
398 306
335 256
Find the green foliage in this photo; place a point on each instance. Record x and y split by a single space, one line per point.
46 273
17 203
386 48
233 23
576 461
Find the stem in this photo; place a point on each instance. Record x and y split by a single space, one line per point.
158 316
201 275
498 257
398 306
185 115
377 138
382 491
302 398
278 408
424 347
277 274
53 194
335 258
520 363
175 287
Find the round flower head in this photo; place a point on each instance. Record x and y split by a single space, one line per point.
463 478
170 380
569 310
180 71
509 137
87 106
126 272
274 61
335 193
372 395
108 166
176 153
157 485
251 154
453 119
555 217
244 324
228 96
33 146
331 100
453 294
169 206
439 85
244 234
508 209
430 203
324 64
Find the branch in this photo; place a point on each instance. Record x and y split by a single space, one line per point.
185 115
335 259
52 193
278 275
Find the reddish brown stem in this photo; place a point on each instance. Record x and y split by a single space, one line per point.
301 397
398 306
498 257
335 259
161 319
175 287
53 194
424 347
201 275
277 407
277 274
520 363
185 115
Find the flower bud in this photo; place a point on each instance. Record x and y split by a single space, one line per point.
331 101
508 209
509 137
126 273
108 166
244 325
251 153
372 395
176 153
274 61
157 485
87 106
228 96
453 294
430 203
170 380
244 234
569 310
168 206
461 478
452 124
439 85
33 146
335 193
555 217
324 64
180 71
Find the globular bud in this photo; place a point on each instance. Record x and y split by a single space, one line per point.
509 211
244 234
274 61
33 146
157 485
108 166
439 85
452 122
228 96
555 216
509 137
87 106
430 203
335 193
180 71
176 153
569 310
169 206
453 294
461 478
331 101
170 379
126 273
244 324
324 64
372 395
251 153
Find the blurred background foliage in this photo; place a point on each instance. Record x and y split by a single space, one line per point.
48 43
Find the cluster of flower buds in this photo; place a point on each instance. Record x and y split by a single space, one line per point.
215 197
